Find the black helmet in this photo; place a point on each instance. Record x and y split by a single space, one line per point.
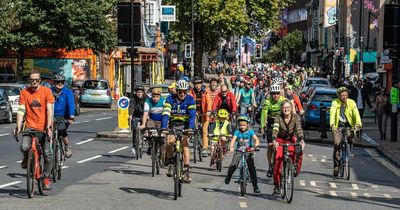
58 77
139 87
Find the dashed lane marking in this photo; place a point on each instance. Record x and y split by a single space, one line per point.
86 141
5 134
302 182
64 167
104 118
353 194
314 159
117 150
333 185
323 160
10 184
355 186
77 122
89 159
324 156
242 202
86 121
313 183
310 155
333 193
1 167
19 161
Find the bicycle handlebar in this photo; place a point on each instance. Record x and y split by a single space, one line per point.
177 131
219 135
27 133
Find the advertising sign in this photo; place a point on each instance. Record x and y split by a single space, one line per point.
168 13
329 13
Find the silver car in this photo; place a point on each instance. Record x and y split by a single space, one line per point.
5 107
13 91
96 92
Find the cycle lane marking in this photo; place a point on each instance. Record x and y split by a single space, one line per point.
5 134
89 159
82 142
1 167
104 118
10 184
242 202
117 150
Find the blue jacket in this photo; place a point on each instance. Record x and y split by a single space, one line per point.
179 111
64 104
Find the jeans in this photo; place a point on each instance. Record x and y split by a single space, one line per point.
250 165
46 148
337 138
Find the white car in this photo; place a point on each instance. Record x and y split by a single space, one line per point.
13 91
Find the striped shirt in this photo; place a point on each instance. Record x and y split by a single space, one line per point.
285 131
154 109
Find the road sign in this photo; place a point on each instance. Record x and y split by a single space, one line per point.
123 113
168 13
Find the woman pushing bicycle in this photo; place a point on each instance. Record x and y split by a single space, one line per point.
285 129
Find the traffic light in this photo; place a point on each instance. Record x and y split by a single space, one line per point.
236 45
258 51
188 50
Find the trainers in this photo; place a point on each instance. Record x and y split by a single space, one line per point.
24 163
269 173
134 151
170 170
47 184
256 189
188 177
277 191
68 152
204 153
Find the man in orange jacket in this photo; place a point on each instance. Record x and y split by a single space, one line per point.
202 97
294 99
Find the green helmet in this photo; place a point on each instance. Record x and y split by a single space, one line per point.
243 118
341 90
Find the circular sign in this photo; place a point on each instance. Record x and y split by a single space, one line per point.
386 52
123 103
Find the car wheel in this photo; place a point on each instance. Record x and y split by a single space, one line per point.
78 109
10 117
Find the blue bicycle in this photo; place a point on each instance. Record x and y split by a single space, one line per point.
344 154
244 176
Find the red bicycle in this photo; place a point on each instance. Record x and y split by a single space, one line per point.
34 169
219 150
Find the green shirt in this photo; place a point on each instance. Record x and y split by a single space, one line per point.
271 108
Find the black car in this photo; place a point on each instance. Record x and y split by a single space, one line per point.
5 107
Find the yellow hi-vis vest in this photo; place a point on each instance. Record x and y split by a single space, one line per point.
220 130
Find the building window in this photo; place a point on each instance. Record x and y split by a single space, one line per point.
297 15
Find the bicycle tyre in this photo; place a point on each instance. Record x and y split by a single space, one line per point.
195 145
219 161
244 181
347 163
289 182
61 159
158 157
30 174
177 174
54 171
283 180
137 145
40 180
200 148
153 158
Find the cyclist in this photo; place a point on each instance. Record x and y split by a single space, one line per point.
152 112
203 101
214 91
220 127
225 100
249 136
286 126
343 113
36 107
179 112
294 99
271 108
136 109
246 99
64 108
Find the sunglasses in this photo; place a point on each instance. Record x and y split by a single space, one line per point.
274 93
224 91
34 80
58 82
181 92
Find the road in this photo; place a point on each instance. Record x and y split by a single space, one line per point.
103 175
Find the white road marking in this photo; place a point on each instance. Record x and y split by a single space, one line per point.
387 196
333 193
367 195
114 151
314 159
5 134
374 186
86 141
383 161
86 121
302 182
324 156
89 159
333 185
104 118
313 183
3 167
310 155
10 184
323 160
353 194
77 122
355 186
243 204
19 161
64 167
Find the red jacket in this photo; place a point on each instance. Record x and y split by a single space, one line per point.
230 99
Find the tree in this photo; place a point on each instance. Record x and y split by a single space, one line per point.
215 19
292 43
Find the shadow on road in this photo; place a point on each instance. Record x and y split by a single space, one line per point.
16 192
156 193
131 172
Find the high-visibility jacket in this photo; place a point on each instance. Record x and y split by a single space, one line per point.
351 113
220 130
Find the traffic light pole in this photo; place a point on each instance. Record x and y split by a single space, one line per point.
192 52
132 53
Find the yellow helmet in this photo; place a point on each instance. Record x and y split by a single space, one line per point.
222 113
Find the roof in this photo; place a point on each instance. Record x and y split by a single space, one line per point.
320 89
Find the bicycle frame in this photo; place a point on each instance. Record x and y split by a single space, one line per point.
37 150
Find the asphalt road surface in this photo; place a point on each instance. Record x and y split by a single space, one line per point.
104 175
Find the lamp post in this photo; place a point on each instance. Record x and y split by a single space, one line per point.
360 40
192 42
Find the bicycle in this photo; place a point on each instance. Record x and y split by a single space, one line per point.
244 170
287 174
155 138
34 169
58 149
219 150
178 161
233 118
197 141
344 154
138 138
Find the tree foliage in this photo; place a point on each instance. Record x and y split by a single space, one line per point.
215 19
292 43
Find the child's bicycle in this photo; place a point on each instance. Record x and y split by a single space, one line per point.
244 176
219 150
34 169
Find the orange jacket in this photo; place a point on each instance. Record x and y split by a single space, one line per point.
297 101
206 102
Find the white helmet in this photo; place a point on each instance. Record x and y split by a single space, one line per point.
275 88
182 85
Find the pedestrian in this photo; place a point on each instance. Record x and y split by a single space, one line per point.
382 110
360 95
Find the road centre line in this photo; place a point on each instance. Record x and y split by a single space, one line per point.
302 182
86 121
310 155
3 167
5 134
89 159
333 185
323 160
10 184
243 204
355 186
86 141
64 167
353 194
333 193
117 150
313 183
105 118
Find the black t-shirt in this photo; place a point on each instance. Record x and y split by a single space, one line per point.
224 105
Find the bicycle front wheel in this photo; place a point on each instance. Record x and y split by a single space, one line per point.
137 145
195 147
54 171
177 175
40 180
283 180
244 181
30 174
153 158
346 167
219 160
289 186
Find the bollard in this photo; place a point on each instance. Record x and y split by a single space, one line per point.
322 121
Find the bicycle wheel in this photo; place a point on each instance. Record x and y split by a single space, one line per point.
283 180
30 174
60 158
158 157
289 186
219 159
54 170
346 167
341 161
177 174
153 157
244 180
40 180
195 146
200 148
137 145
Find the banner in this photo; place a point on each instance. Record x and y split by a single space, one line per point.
48 67
80 69
329 13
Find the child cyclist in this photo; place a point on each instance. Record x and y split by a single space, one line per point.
249 136
220 127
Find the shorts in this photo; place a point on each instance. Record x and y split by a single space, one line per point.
62 129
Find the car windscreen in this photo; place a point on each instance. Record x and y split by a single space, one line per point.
322 82
324 97
12 91
95 85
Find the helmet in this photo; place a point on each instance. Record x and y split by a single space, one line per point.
185 78
275 88
182 85
251 75
243 118
139 87
341 90
222 113
58 77
197 80
277 80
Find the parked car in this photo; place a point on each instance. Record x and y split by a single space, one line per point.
320 95
164 89
317 80
5 107
95 92
13 91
